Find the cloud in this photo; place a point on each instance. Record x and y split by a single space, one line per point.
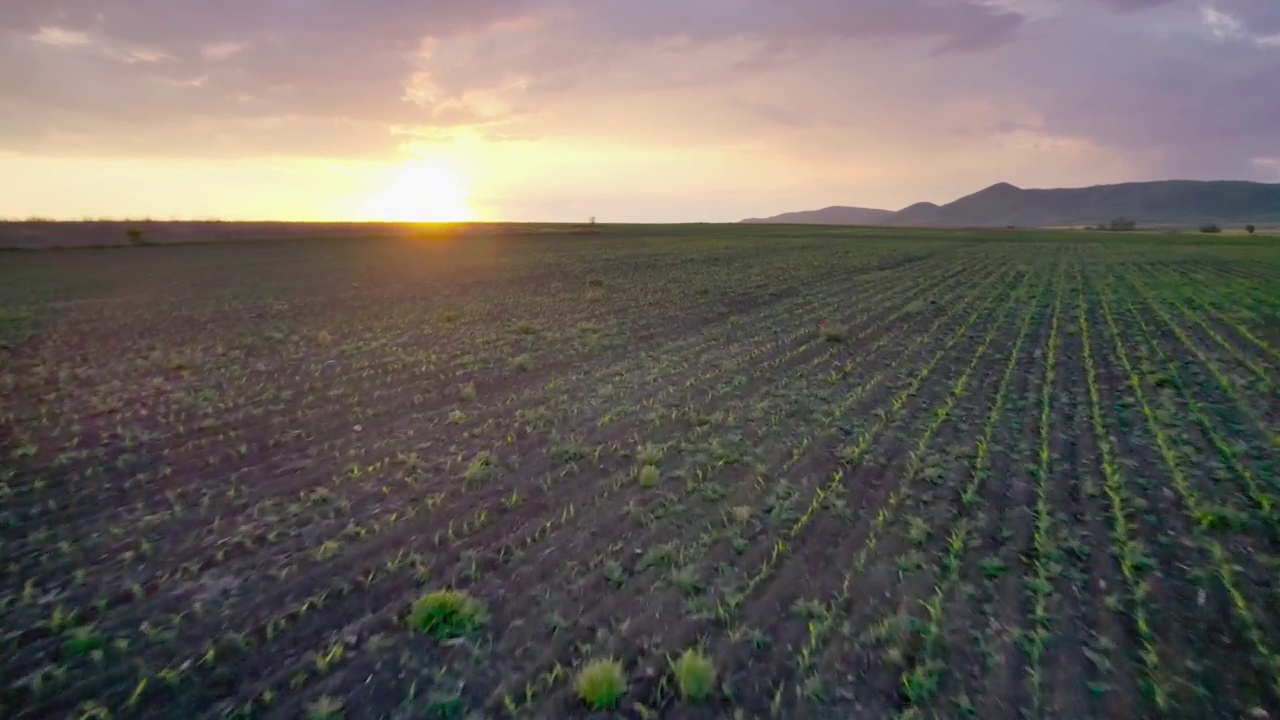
1231 18
862 89
221 50
1243 20
59 37
1259 17
284 58
954 25
1135 5
1222 25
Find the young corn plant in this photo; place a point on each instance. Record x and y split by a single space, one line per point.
1040 586
1265 654
1126 549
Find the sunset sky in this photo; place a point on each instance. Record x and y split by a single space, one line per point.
629 110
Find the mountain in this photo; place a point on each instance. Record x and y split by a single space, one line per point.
835 215
922 213
1165 202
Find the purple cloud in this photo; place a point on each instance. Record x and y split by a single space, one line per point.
1148 79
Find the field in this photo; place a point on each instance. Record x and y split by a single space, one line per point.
865 473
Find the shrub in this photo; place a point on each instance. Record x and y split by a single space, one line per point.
601 684
1121 224
522 364
446 614
136 237
695 675
1210 228
1249 229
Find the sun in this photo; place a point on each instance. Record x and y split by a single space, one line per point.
423 191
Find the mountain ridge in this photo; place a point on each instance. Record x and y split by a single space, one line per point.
833 215
1159 202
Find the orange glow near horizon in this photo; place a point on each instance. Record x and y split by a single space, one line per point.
422 191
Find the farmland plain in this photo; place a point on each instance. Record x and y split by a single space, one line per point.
866 473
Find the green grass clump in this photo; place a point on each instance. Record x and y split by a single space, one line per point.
479 468
467 393
648 476
83 640
649 454
687 579
695 675
601 684
521 364
446 614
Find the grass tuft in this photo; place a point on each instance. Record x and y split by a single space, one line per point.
601 684
479 468
83 640
649 454
467 393
648 476
695 675
446 614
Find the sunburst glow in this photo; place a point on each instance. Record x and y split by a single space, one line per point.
423 191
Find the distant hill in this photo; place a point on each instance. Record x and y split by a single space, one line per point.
835 215
1166 202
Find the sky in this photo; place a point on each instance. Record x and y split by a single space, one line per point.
629 111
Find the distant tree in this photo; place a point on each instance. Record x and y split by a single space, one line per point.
1122 224
1210 228
135 236
1249 229
592 220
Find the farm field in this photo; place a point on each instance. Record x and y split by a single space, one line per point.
865 473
